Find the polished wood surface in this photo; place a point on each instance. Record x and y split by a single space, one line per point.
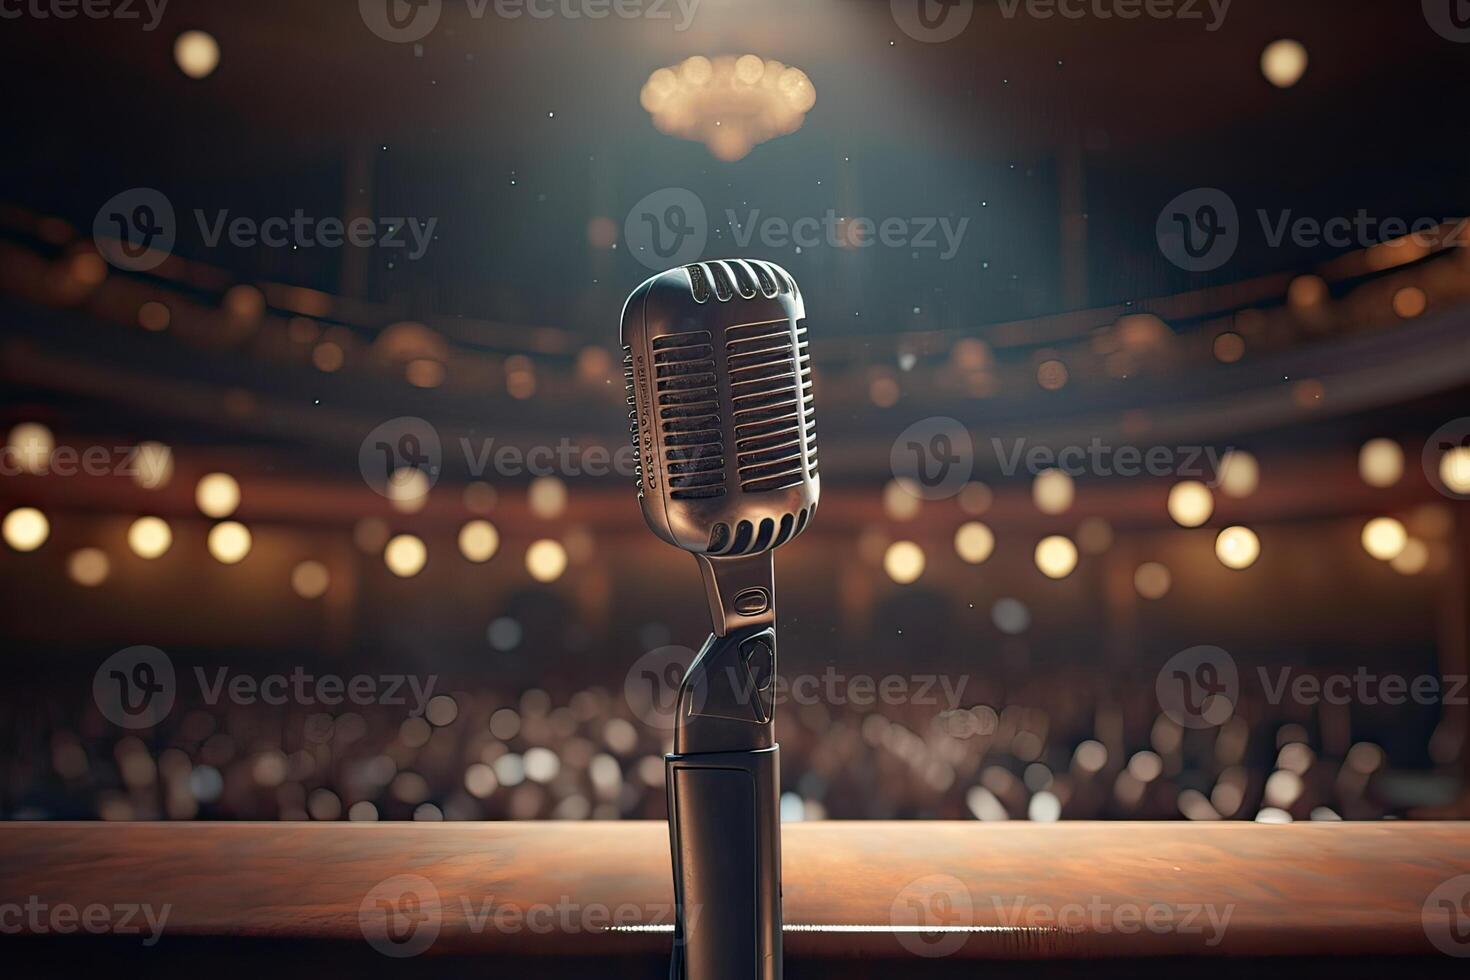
1003 891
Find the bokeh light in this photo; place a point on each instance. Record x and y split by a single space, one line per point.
217 495
1237 547
479 540
150 537
974 542
25 529
310 579
1413 559
1384 538
1190 503
153 465
1454 470
196 53
547 497
1152 580
1284 62
904 562
546 560
229 542
1056 556
1053 492
901 500
1239 474
29 447
1381 462
405 555
88 566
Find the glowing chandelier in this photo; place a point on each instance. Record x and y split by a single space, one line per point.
727 103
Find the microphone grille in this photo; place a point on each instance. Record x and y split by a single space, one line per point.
687 391
771 394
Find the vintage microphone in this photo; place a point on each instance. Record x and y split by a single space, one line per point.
720 398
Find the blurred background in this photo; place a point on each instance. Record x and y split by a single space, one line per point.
1141 360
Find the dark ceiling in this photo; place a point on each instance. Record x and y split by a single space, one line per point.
310 109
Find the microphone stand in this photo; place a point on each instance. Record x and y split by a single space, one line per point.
723 782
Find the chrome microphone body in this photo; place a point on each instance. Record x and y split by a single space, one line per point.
720 411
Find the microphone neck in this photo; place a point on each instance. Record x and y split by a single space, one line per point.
741 590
